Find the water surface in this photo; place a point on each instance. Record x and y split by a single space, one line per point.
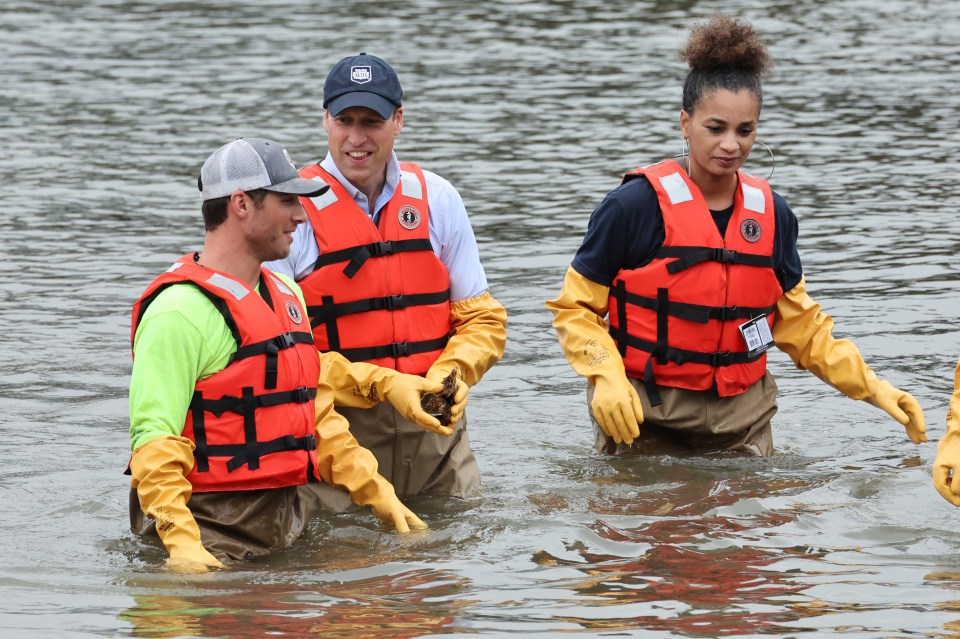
533 110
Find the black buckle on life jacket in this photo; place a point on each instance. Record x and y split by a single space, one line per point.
691 256
302 394
379 249
393 302
724 358
724 256
399 349
285 340
279 343
727 312
365 252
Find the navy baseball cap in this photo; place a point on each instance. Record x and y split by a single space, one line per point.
362 81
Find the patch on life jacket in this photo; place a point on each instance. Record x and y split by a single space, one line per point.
409 217
295 315
750 230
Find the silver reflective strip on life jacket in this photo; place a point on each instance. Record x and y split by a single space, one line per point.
174 267
236 289
677 190
324 200
754 199
280 285
410 185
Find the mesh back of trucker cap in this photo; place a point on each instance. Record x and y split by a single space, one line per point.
234 166
247 164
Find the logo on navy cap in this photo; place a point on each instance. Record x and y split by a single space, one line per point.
361 74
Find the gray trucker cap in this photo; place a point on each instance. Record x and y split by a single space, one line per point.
247 164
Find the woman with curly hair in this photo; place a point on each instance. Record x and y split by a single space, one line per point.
689 272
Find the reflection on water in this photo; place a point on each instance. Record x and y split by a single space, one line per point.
698 572
409 604
533 110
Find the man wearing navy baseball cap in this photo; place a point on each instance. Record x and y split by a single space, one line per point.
362 81
230 422
395 291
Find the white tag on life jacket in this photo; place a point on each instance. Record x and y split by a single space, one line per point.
230 286
756 333
677 190
753 199
410 185
325 199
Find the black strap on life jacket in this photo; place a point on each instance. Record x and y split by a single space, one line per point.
393 349
264 291
358 255
333 333
199 433
682 356
240 454
619 293
236 404
271 347
251 450
661 349
329 311
697 312
693 255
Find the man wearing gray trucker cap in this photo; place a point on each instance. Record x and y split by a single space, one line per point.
391 272
228 421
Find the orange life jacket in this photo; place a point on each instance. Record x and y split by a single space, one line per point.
252 422
378 295
676 320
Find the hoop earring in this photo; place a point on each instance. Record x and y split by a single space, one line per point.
773 159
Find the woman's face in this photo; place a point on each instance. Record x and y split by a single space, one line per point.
721 131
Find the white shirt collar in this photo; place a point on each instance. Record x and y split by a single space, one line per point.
389 187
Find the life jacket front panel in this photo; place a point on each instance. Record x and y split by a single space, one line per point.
252 422
686 305
378 293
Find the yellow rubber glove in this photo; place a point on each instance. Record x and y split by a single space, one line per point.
946 466
459 405
343 462
159 470
363 385
478 336
578 314
380 496
804 332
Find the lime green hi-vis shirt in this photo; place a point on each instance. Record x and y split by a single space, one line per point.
182 338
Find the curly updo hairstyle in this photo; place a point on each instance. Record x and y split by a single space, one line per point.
723 53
